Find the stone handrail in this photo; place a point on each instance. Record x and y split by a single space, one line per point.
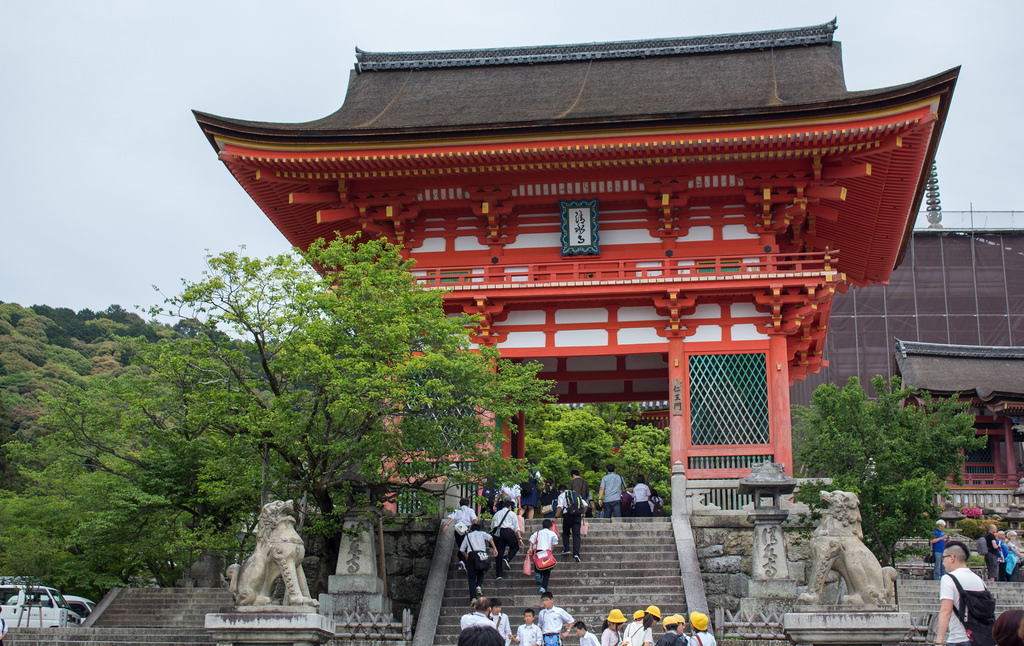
433 595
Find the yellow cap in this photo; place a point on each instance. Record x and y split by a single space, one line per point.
654 610
699 620
639 614
616 617
673 619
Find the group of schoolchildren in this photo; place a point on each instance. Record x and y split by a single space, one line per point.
489 626
476 546
511 504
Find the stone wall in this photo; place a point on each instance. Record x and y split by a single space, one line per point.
724 544
409 548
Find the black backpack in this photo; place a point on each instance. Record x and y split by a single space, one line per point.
527 488
574 503
977 612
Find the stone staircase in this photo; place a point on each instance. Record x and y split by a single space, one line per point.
626 563
921 598
154 616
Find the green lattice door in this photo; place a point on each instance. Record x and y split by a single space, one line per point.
728 399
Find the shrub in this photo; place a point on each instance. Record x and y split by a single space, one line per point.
975 528
971 512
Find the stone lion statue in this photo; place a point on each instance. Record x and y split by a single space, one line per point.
838 544
279 553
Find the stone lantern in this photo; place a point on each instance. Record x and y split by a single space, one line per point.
1014 516
771 588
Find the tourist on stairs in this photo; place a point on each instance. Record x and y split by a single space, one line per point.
542 545
505 529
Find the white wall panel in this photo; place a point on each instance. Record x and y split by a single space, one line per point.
585 315
581 338
524 340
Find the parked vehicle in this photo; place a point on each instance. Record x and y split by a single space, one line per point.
80 605
31 605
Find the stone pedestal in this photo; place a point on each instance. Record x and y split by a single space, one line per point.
355 585
769 597
270 625
833 625
770 590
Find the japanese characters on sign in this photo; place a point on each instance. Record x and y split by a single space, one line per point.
677 397
579 227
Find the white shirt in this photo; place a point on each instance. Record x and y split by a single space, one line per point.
512 493
501 624
530 635
544 540
947 590
610 638
463 514
705 639
475 542
475 619
641 493
507 519
550 621
589 639
635 634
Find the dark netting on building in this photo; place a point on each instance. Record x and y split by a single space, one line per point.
952 287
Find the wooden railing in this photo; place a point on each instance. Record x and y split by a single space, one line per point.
628 271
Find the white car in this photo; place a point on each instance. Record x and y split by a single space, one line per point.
80 605
23 604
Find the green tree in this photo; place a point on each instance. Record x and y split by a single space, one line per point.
896 452
560 439
353 384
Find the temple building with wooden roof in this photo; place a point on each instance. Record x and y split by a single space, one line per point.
663 219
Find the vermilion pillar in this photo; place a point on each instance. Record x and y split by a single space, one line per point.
778 391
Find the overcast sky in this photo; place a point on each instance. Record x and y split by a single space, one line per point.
109 186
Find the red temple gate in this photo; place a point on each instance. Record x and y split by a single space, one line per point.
651 220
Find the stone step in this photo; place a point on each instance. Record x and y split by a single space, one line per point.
104 636
595 581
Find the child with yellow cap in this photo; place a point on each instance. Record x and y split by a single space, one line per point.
611 631
700 636
633 635
674 625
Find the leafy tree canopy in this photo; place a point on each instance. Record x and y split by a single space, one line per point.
352 384
588 438
894 453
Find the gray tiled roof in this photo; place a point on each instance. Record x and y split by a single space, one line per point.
376 61
985 371
695 78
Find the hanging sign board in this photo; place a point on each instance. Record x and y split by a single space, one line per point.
677 397
579 227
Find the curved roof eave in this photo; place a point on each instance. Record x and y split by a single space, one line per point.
307 132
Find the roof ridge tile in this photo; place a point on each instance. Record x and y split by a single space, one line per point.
793 37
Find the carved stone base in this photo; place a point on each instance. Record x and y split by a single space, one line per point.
769 597
348 593
278 626
833 625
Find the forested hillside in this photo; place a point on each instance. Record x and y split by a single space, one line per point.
41 346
